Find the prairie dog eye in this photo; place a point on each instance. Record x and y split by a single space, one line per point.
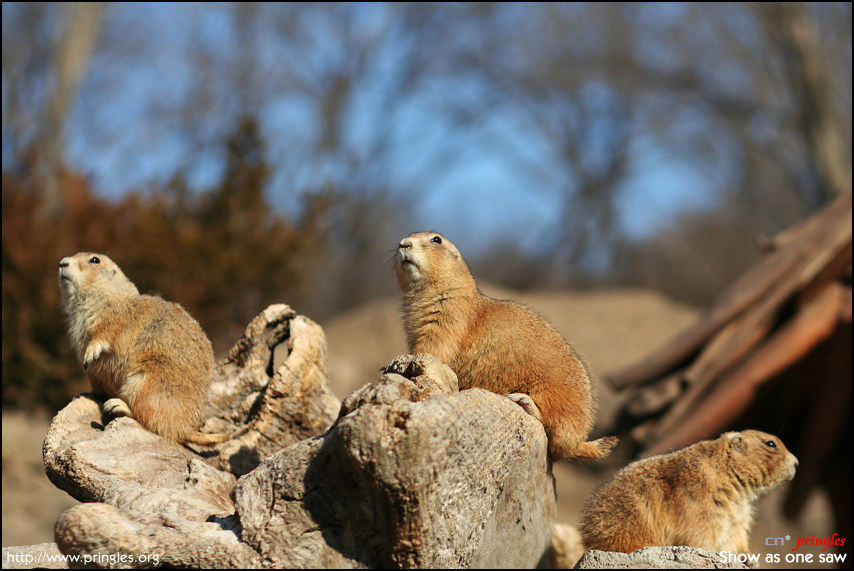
436 240
94 260
770 444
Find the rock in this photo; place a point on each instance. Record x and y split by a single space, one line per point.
125 465
657 558
410 377
271 390
41 555
160 501
453 480
411 472
111 537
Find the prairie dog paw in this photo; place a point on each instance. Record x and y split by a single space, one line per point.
117 407
93 351
527 404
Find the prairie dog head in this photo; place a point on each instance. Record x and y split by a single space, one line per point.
88 275
761 458
426 258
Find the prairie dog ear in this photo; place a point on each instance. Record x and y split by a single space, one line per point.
736 441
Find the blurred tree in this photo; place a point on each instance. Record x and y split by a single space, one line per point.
67 32
26 67
754 98
224 254
774 80
39 369
809 70
345 77
70 59
287 147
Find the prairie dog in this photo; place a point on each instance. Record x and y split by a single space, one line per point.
148 356
700 496
500 346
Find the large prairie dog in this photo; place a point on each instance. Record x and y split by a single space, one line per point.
146 355
700 496
500 346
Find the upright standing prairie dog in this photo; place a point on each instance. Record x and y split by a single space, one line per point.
500 346
701 496
146 355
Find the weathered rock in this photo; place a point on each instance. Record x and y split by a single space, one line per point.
271 390
412 473
125 465
455 480
111 537
263 411
411 377
656 558
41 555
140 473
157 495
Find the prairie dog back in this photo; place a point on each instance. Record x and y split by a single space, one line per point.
700 496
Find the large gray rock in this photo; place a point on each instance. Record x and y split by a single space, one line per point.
125 465
412 473
41 556
407 479
110 537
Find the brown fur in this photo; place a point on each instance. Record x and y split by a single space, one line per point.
500 346
700 496
146 351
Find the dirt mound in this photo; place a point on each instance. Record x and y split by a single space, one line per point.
31 503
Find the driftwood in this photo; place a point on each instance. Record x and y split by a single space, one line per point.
773 353
271 390
407 472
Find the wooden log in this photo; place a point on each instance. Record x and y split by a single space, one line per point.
727 349
827 412
802 258
845 310
731 396
839 266
652 399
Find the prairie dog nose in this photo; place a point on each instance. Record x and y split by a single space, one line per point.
405 244
63 263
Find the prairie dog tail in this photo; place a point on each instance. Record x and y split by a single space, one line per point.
596 449
205 439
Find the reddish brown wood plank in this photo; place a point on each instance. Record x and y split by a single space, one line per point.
808 249
732 395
